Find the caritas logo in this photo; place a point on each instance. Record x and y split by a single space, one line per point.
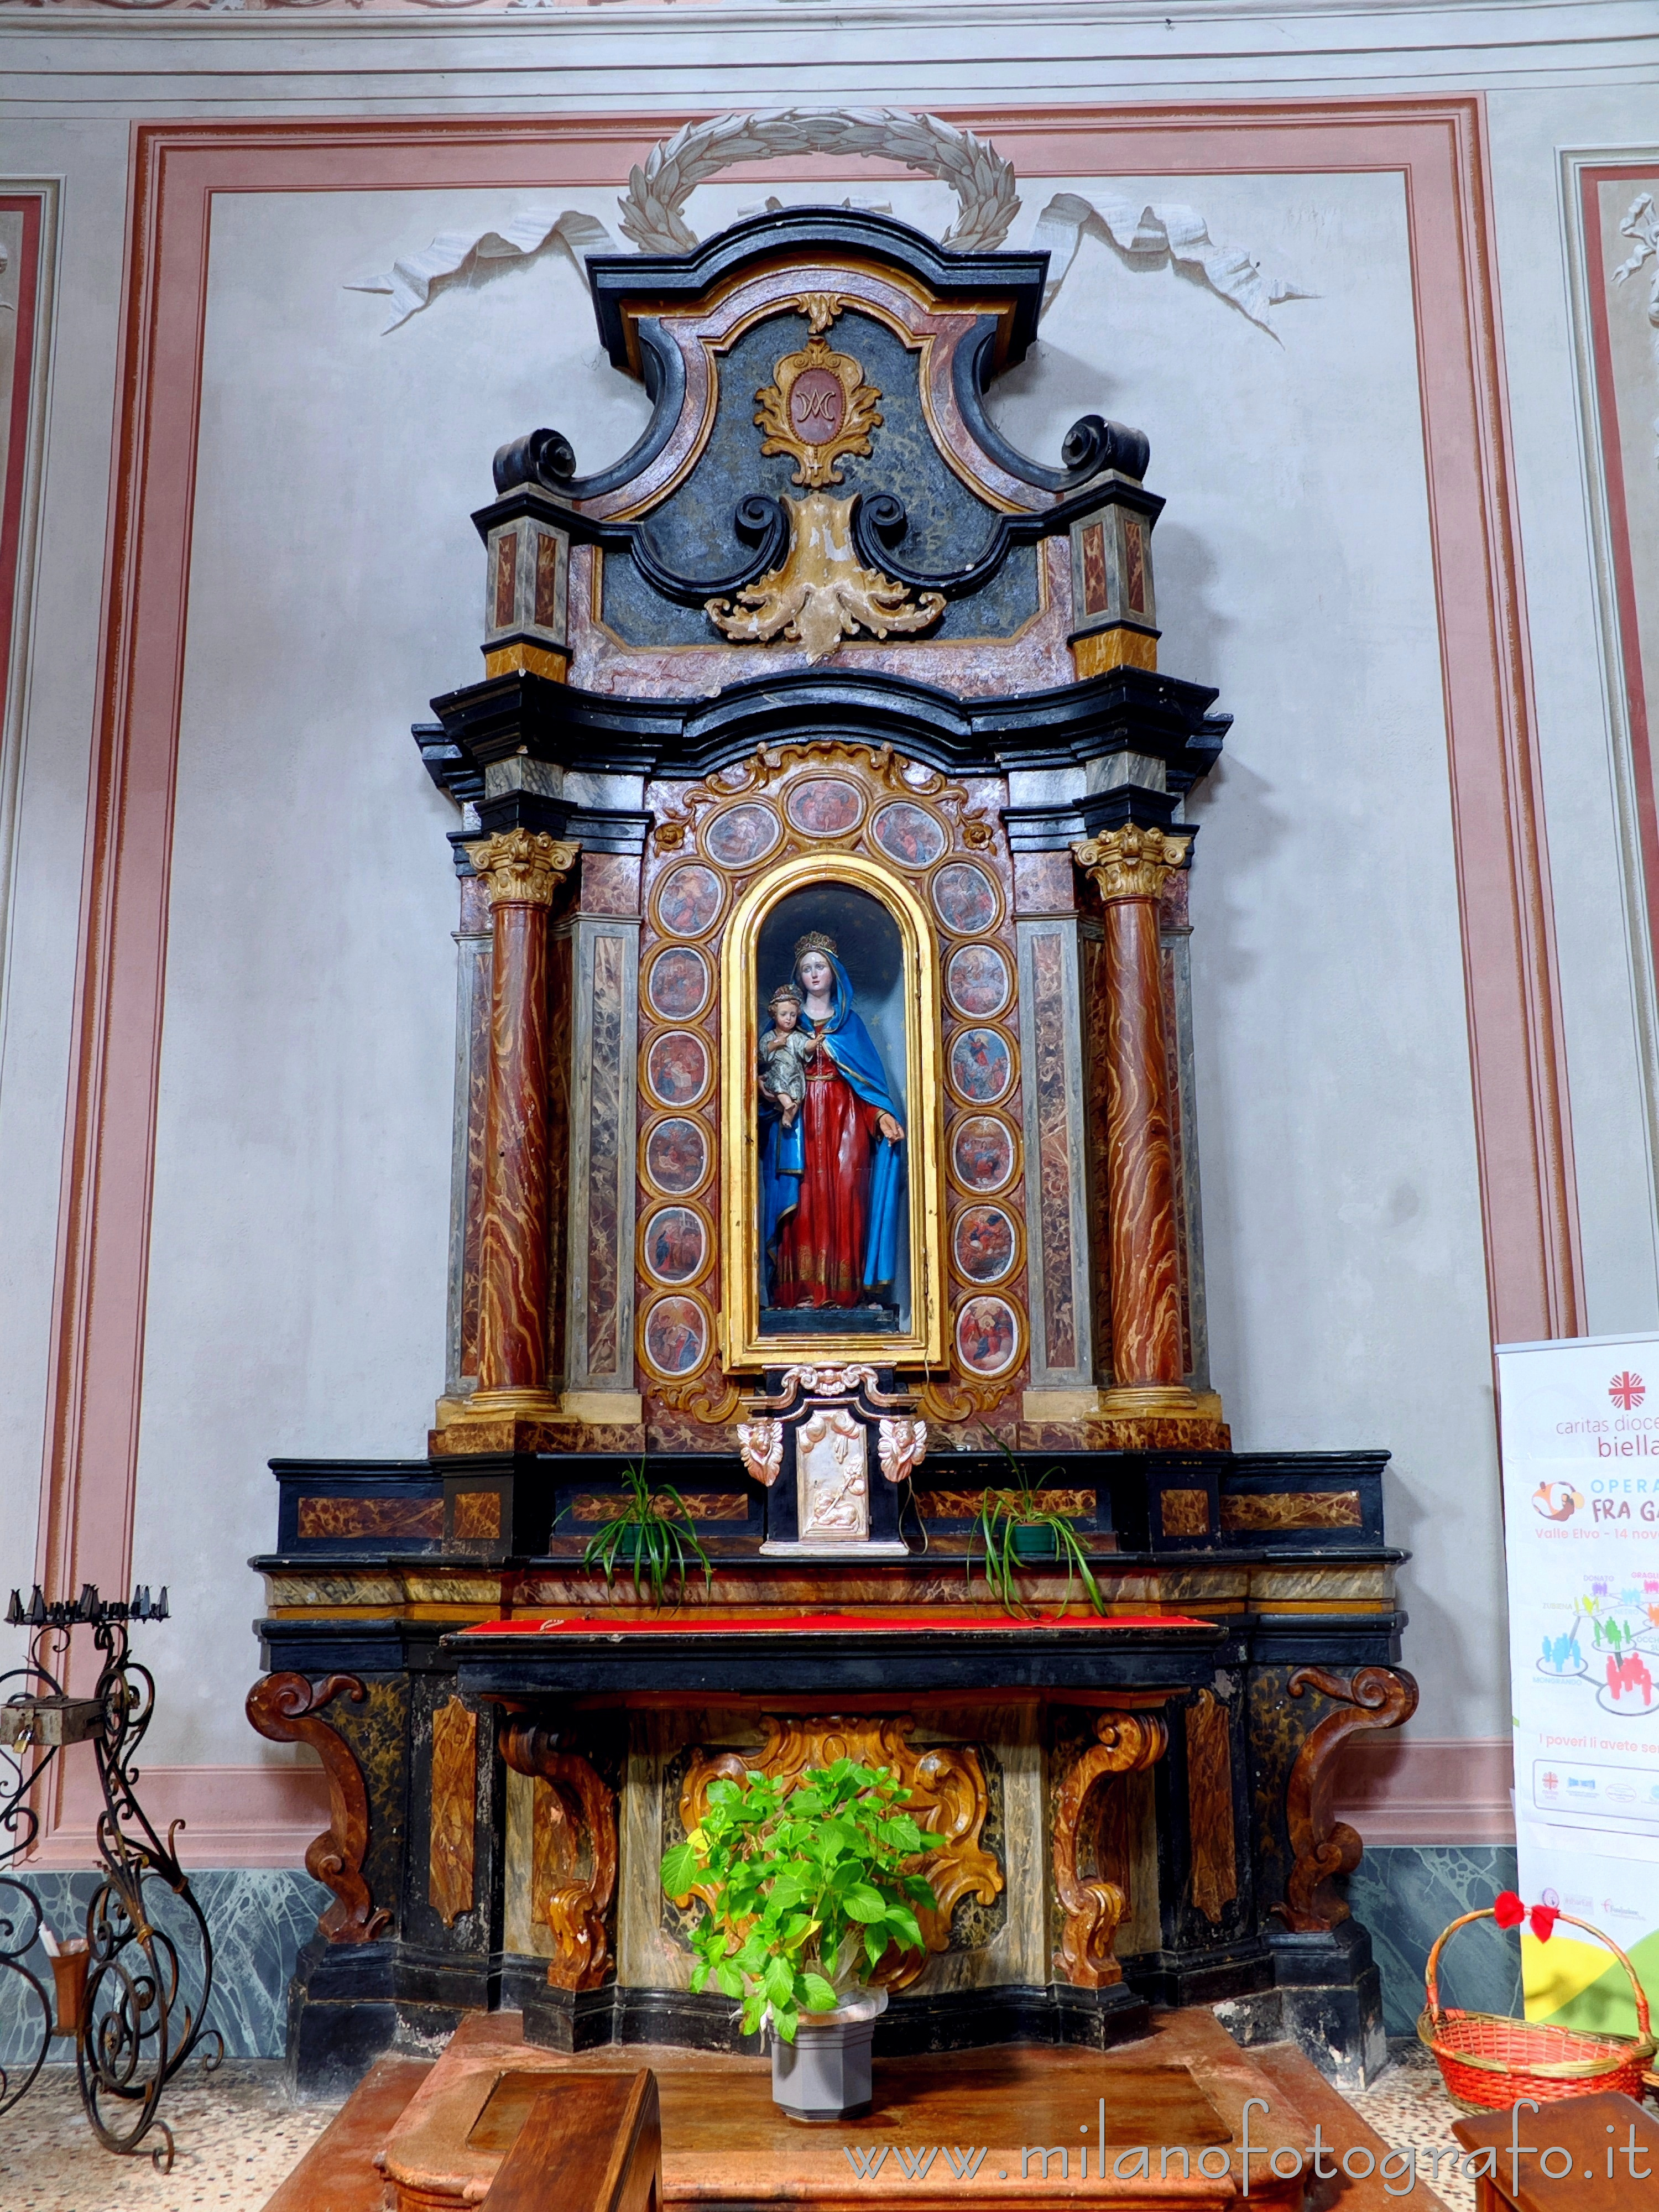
1627 1391
1556 1501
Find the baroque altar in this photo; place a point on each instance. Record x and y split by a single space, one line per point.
824 1142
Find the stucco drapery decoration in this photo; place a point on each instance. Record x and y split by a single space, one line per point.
414 277
1155 233
1642 223
658 190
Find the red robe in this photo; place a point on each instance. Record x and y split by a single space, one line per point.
820 1246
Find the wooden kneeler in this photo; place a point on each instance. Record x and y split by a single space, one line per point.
592 2142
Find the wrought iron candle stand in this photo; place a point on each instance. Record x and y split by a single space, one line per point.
123 1995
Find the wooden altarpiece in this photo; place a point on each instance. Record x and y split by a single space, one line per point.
824 671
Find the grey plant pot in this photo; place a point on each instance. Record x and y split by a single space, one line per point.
824 2075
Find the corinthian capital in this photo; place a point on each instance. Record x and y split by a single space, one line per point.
522 867
1131 863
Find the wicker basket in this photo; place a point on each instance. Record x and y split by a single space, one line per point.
1487 2061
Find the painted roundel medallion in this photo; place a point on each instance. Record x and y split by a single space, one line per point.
679 983
977 980
688 900
908 834
741 835
984 1243
677 1157
824 806
674 1244
981 1066
678 1068
674 1335
965 899
987 1335
982 1152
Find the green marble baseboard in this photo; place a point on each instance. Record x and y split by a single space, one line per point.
1404 1893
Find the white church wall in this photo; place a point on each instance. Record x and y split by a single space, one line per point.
1612 1117
38 934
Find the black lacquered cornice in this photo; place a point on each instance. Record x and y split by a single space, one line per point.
800 235
1127 710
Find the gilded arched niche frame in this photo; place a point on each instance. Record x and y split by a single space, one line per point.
923 1343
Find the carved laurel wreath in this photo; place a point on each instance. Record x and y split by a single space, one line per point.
981 180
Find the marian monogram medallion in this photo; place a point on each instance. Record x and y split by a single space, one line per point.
818 410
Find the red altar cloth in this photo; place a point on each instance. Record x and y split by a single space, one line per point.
930 1618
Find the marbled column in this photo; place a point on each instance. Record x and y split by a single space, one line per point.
1128 867
520 872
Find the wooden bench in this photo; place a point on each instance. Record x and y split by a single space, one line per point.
1594 2134
591 2142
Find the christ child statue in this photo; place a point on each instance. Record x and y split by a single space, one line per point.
785 1050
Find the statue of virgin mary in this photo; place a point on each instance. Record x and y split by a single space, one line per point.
831 1190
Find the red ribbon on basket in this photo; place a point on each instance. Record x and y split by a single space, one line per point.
1509 1911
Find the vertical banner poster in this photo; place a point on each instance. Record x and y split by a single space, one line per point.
1580 1428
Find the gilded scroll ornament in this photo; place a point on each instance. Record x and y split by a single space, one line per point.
452 1829
823 592
522 867
946 1784
902 1446
769 767
1131 863
577 1807
1323 1846
1092 1906
709 1397
958 1398
289 1709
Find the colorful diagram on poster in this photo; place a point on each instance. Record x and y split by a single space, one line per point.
1581 1491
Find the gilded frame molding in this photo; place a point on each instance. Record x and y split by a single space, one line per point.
924 1343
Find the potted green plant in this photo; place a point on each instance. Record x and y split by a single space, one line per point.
654 1536
1015 1526
808 1883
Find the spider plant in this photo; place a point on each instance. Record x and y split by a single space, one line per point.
1006 1513
654 1536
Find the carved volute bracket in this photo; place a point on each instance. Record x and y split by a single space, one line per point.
1125 1743
1322 1846
289 1709
576 1909
946 1784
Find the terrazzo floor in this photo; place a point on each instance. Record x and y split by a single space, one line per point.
238 2134
1408 2105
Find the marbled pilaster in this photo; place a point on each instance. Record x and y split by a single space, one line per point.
521 870
1149 1403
